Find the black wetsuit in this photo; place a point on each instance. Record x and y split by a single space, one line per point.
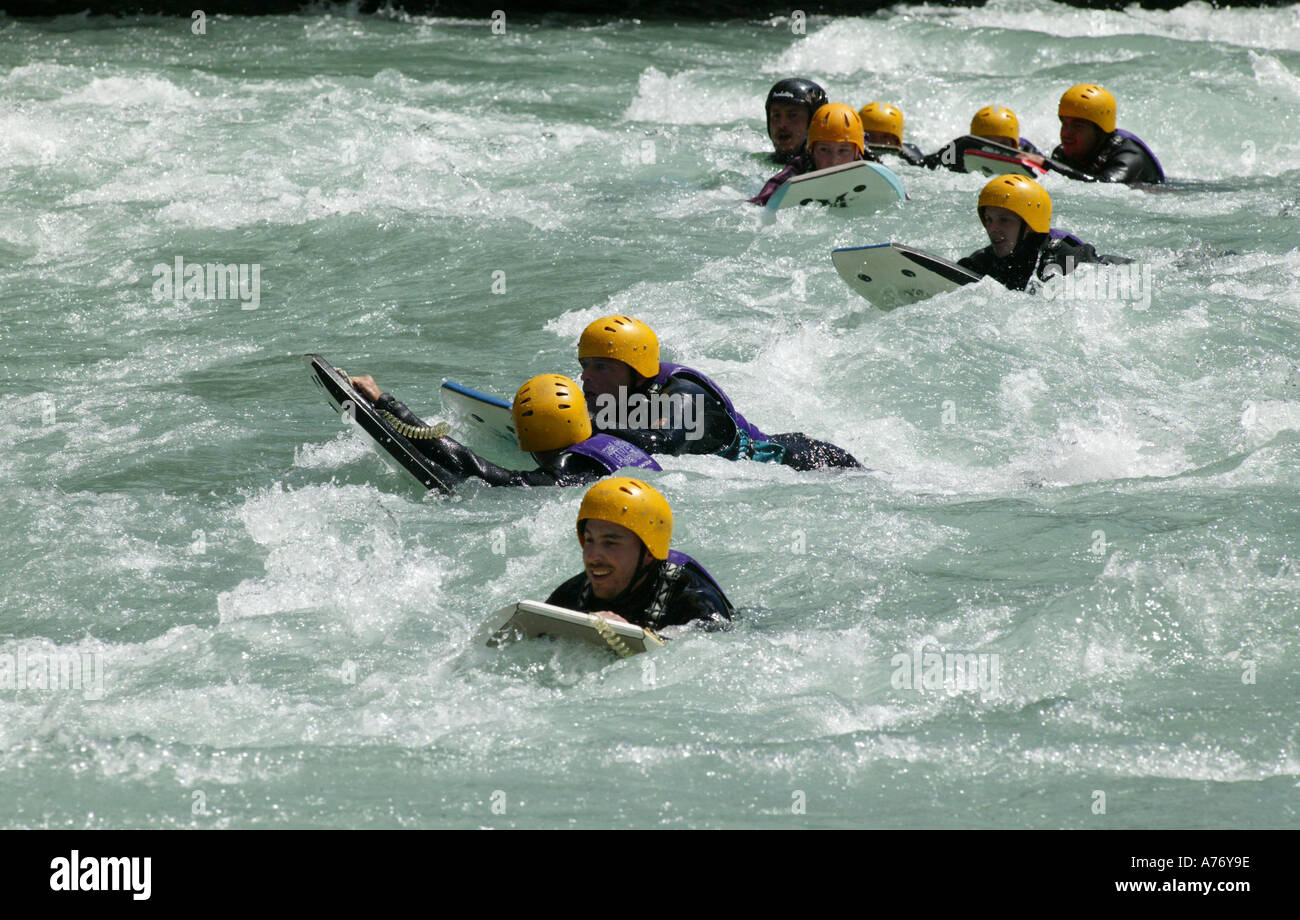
670 595
718 432
563 469
1118 158
1032 257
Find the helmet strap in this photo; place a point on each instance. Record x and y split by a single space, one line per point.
642 567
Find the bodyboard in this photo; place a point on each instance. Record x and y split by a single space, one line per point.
850 188
488 423
530 619
395 448
890 275
996 164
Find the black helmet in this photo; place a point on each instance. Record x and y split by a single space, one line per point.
796 90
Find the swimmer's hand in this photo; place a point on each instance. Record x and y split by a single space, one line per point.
366 386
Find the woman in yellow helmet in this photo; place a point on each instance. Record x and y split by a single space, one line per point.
995 123
629 573
834 137
551 423
883 124
1017 215
1092 144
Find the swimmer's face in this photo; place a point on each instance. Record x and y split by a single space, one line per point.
1078 138
1003 140
603 377
787 126
1003 228
884 139
610 555
827 153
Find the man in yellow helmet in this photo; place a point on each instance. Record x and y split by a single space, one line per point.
624 528
1092 144
995 123
622 373
551 423
834 137
883 124
1017 215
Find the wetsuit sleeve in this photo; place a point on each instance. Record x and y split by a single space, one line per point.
912 154
772 185
1056 162
937 159
695 600
460 463
981 262
386 403
1065 255
1128 164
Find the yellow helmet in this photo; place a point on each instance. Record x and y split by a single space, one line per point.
550 413
836 123
633 504
1091 103
1021 196
995 121
623 339
881 116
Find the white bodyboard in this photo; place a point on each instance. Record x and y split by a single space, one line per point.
487 424
850 188
890 275
996 164
529 619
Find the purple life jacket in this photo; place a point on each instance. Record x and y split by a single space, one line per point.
614 453
685 561
1058 234
1128 135
672 370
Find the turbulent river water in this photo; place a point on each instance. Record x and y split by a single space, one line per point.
1094 496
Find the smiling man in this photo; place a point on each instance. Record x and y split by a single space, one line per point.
1092 144
624 528
1017 215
